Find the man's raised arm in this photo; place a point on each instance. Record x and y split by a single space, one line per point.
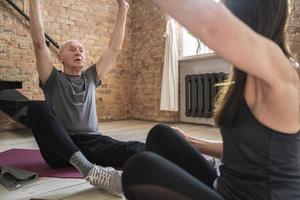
44 61
110 54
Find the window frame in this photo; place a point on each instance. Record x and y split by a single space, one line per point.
181 43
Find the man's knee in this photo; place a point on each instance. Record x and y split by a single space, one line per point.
39 109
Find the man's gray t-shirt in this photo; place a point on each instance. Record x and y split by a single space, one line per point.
73 99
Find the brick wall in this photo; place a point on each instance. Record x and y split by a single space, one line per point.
148 28
293 30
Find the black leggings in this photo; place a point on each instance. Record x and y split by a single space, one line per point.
176 170
57 146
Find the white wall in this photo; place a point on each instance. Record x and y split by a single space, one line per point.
198 65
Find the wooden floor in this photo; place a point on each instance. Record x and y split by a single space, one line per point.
74 189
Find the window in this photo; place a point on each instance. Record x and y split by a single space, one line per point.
191 46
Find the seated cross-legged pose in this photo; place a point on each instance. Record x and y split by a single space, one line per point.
257 112
66 126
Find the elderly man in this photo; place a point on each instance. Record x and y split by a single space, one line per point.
66 127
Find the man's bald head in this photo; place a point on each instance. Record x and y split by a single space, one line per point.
71 54
69 42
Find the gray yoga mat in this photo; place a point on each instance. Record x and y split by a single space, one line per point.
13 178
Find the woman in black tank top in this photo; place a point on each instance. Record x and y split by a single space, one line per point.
257 111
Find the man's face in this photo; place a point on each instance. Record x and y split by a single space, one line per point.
72 54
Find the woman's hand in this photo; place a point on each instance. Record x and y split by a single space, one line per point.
181 132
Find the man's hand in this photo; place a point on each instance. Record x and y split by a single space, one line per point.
123 4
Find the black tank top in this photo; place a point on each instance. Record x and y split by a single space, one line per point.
259 163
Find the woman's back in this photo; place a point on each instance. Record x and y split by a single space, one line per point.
258 162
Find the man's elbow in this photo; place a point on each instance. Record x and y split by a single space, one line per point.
39 44
115 50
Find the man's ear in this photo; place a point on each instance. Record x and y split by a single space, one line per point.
60 59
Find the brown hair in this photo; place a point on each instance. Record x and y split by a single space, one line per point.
266 17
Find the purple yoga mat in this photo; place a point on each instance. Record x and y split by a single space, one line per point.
30 159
